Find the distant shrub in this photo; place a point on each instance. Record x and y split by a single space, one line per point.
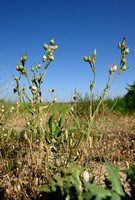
129 98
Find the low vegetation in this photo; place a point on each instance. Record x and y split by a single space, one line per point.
81 150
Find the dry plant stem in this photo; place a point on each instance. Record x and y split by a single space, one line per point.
30 144
101 100
46 162
47 64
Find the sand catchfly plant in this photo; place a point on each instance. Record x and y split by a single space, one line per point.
37 78
113 69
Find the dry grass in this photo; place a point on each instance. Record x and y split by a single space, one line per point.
24 168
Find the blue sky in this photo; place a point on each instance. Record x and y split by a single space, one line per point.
78 27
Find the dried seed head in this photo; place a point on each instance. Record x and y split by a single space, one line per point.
51 58
44 58
33 88
55 47
58 164
114 68
54 100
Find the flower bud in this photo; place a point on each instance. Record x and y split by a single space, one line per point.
33 79
89 59
32 69
55 47
110 71
51 58
85 58
123 43
123 60
94 53
124 67
52 42
48 51
93 60
127 51
23 59
39 78
36 68
17 67
50 90
45 46
39 66
16 79
15 89
53 89
119 45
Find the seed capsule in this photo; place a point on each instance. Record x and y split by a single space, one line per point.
45 46
119 45
44 58
39 66
127 51
89 59
53 89
21 67
123 43
85 58
24 58
39 78
16 79
123 67
32 69
52 42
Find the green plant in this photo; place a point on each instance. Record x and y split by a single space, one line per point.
70 183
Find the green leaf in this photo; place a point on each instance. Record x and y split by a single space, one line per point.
114 178
52 125
96 191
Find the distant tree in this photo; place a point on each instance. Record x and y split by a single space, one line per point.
130 97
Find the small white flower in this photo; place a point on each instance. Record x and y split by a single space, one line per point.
86 176
28 123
